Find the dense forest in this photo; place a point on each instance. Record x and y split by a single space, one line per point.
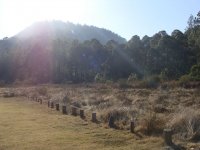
51 52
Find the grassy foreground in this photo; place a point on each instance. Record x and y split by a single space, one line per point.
29 125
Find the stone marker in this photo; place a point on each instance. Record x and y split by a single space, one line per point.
82 113
132 126
94 117
111 122
64 110
167 134
74 111
52 105
57 107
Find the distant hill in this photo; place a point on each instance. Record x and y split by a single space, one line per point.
69 31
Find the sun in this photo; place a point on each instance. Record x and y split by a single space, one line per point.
21 13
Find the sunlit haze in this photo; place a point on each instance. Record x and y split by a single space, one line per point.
124 17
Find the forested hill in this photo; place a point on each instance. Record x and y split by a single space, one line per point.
69 31
41 55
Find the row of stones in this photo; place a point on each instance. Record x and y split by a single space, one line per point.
167 133
82 115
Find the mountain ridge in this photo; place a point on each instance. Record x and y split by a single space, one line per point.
69 31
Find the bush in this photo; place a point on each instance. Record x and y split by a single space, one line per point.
151 124
164 74
186 124
195 72
133 77
120 113
184 80
99 78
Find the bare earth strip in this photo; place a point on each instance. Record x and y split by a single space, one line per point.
26 125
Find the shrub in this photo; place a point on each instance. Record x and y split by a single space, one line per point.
117 113
164 74
132 77
186 124
99 78
121 116
184 80
195 72
151 124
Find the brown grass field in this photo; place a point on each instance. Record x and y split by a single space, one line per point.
27 125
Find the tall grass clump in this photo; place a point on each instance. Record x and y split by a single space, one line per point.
121 115
151 123
186 124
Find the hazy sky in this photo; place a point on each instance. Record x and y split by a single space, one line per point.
124 17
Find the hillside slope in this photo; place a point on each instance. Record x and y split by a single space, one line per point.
68 32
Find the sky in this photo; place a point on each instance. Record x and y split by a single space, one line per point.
124 17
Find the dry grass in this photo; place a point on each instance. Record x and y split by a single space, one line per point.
151 109
28 125
186 124
151 124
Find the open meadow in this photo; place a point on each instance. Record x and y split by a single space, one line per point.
27 124
99 75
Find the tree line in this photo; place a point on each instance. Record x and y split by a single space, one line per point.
46 60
